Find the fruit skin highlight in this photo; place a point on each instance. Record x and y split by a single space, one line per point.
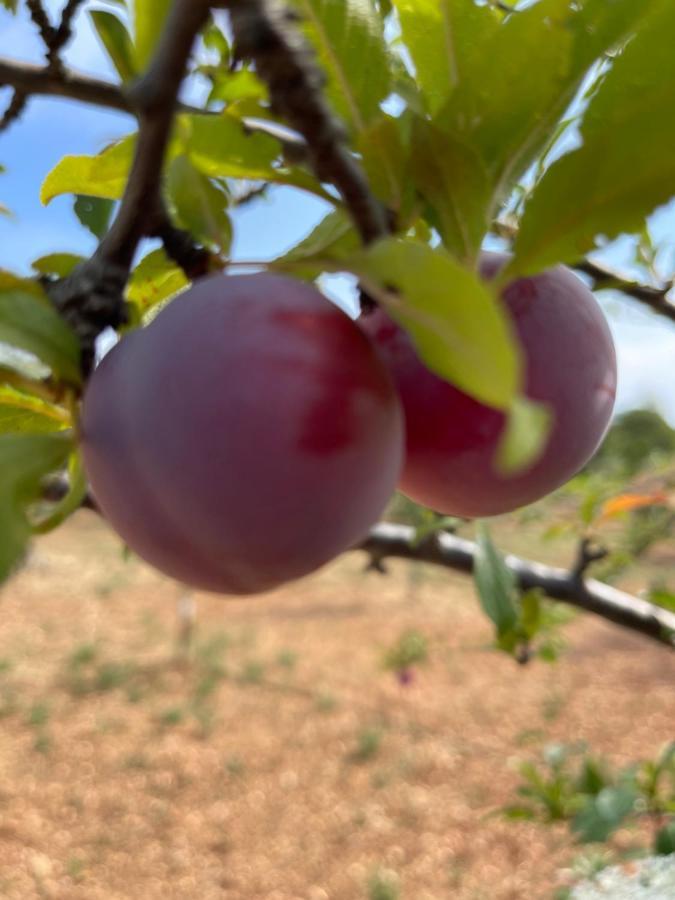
247 436
451 439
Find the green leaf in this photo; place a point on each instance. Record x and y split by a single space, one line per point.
10 5
117 42
334 238
199 205
604 813
385 147
662 597
21 412
495 583
624 168
230 87
444 38
149 18
664 840
349 40
527 427
453 179
530 618
221 147
456 322
104 175
155 279
94 213
498 116
59 264
214 39
24 461
30 323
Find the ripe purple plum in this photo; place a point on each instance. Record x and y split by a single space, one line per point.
246 437
451 438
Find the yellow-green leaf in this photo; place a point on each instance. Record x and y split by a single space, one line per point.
222 147
349 40
104 175
155 279
454 180
455 320
21 412
117 42
24 461
29 322
522 441
625 167
59 264
444 39
199 205
149 19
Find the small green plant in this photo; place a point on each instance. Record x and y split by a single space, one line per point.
83 655
410 650
38 715
137 760
42 742
383 885
111 675
172 716
86 673
9 703
75 868
235 766
368 742
253 672
287 659
573 786
325 701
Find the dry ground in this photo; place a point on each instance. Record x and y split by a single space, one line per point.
281 761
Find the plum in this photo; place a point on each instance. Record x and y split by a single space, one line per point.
244 438
451 438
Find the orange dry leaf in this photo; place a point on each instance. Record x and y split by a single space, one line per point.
627 502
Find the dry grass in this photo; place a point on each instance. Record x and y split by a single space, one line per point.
280 761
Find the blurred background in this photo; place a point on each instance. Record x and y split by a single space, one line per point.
357 734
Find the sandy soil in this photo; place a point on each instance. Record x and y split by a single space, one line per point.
280 760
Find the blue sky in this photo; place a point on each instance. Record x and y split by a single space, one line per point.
52 128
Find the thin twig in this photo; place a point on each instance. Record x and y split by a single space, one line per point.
42 81
587 553
62 34
604 278
14 109
40 18
54 38
388 540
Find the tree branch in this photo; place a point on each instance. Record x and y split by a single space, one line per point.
388 540
605 278
91 298
264 32
656 298
43 81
